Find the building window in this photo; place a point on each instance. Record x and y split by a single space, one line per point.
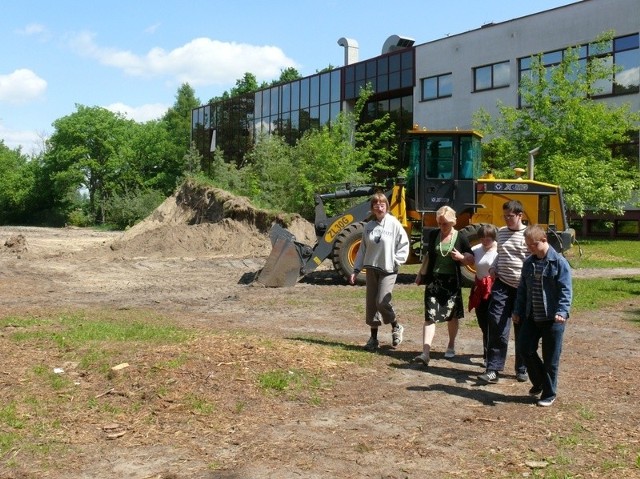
599 227
623 52
626 55
492 76
439 86
627 228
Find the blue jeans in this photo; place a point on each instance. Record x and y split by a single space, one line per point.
503 298
543 371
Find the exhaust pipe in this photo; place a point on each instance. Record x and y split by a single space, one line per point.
532 155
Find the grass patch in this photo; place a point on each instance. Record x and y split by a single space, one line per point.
605 254
296 384
592 294
69 330
200 405
178 379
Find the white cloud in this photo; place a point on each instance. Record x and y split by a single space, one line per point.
31 142
21 86
629 78
140 114
32 29
202 61
152 28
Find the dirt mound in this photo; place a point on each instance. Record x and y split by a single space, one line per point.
199 220
16 244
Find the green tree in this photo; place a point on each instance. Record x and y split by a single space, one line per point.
287 75
574 132
151 160
177 121
247 84
268 174
96 155
376 137
84 153
18 176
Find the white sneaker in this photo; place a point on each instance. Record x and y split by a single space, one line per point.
450 353
422 359
396 335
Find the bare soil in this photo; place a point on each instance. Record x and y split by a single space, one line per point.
374 415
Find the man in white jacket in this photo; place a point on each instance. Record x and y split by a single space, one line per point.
384 247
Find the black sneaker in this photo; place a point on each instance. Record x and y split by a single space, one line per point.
535 391
371 345
490 377
396 335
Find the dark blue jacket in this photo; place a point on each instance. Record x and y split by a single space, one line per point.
557 290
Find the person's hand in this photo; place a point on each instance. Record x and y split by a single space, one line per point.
515 318
492 273
560 319
352 278
456 255
418 279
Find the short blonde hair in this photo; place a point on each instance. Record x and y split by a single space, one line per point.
448 213
535 233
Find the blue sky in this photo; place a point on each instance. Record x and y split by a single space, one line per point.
132 56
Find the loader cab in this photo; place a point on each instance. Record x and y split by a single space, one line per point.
443 167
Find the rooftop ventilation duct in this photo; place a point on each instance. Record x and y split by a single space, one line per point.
350 50
396 42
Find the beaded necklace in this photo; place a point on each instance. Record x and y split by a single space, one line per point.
451 244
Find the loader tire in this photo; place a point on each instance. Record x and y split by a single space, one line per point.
469 271
345 249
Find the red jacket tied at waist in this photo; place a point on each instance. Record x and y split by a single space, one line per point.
480 291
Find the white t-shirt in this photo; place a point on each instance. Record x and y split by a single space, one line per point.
483 259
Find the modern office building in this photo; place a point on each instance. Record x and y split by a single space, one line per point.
439 84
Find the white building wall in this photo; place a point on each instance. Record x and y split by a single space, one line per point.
571 25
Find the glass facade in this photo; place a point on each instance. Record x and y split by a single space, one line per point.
387 73
290 109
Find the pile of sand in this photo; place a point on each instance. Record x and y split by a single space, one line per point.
199 221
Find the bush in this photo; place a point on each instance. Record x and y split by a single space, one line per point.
126 210
79 217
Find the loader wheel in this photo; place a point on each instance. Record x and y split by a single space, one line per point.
345 249
469 271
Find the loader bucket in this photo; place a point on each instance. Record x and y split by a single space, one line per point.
285 262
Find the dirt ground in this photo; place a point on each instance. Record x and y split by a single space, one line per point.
381 417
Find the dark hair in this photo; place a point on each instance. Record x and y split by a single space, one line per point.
487 230
514 206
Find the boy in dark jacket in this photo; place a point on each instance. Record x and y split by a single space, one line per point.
542 308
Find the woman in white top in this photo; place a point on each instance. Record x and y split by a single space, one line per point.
384 247
484 254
